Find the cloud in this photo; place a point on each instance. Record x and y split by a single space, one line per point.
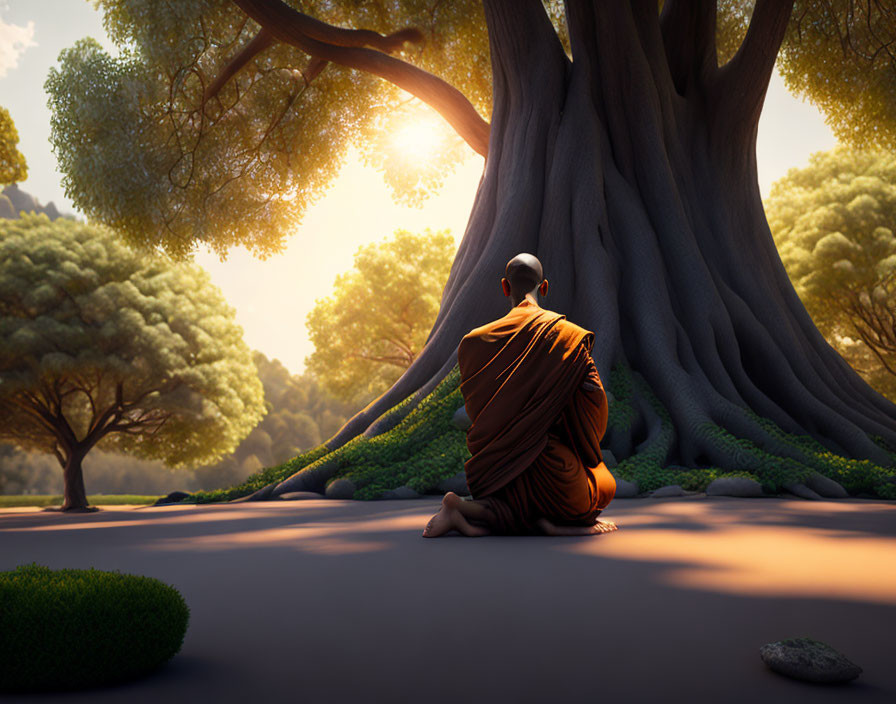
13 42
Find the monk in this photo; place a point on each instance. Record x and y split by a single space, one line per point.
539 411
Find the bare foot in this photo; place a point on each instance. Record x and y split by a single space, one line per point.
451 500
439 524
449 518
549 528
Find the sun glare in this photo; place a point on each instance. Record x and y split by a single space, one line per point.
418 140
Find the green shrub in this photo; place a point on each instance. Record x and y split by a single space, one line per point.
71 628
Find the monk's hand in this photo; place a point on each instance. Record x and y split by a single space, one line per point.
588 386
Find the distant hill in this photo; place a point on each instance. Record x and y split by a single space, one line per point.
13 200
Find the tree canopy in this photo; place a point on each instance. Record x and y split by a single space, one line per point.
101 345
12 164
377 320
833 222
223 121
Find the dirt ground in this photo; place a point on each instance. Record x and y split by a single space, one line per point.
344 601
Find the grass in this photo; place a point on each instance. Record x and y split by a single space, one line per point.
14 500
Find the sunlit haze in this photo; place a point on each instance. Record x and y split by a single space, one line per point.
273 297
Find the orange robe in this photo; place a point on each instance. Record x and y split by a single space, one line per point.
535 437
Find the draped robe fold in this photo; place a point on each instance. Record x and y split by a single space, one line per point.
535 437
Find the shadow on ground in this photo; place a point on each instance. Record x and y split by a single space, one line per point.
332 601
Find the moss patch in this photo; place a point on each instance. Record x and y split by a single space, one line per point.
422 448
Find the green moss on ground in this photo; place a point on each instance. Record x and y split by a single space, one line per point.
772 471
424 447
421 449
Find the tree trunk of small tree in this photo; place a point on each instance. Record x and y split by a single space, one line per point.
630 172
74 494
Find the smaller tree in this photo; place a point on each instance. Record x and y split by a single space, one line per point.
102 345
12 164
834 223
376 322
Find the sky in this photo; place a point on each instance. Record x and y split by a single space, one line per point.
273 297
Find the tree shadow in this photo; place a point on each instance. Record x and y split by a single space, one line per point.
517 619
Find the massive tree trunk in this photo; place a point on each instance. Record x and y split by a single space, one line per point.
630 172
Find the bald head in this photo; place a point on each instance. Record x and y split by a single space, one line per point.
523 274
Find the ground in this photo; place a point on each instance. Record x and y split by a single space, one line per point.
345 601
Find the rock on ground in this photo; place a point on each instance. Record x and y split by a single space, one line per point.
624 488
402 492
461 419
734 486
300 495
670 490
808 659
341 488
609 458
457 484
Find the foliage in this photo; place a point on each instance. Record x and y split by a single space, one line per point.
99 344
833 223
242 168
300 415
419 451
12 164
840 55
71 628
377 320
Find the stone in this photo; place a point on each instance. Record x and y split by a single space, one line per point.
172 498
300 495
610 396
609 459
808 659
670 490
457 484
341 488
461 419
826 487
734 486
402 492
802 491
625 489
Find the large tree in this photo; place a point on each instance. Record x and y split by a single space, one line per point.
620 149
104 346
833 222
375 323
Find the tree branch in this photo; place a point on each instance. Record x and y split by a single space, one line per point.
299 30
743 81
689 38
259 43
